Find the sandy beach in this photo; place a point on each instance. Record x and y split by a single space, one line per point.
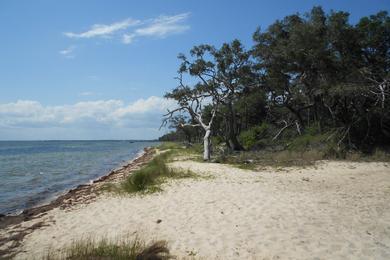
218 130
333 210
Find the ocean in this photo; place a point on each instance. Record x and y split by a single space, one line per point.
34 172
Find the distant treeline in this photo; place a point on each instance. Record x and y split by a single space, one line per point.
311 75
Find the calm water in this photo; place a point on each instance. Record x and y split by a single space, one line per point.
33 172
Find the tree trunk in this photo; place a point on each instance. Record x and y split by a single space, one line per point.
297 115
206 145
233 142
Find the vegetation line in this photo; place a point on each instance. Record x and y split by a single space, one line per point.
306 75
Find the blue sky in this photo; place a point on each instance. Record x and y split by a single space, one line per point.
98 69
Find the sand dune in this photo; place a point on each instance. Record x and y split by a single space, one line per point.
335 210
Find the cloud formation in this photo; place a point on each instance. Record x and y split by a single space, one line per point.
68 52
143 113
160 27
164 25
103 30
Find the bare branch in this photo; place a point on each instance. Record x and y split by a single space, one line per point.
281 130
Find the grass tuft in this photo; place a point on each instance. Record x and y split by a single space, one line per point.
105 249
149 178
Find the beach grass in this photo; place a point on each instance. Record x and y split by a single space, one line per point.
129 249
151 176
169 146
178 149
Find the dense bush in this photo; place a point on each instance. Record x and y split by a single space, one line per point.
255 136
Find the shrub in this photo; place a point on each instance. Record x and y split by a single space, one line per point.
216 140
252 137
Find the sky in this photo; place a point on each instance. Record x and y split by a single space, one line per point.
72 70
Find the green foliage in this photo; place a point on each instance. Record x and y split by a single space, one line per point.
173 136
169 146
315 79
196 148
124 249
183 131
216 140
308 141
254 136
326 72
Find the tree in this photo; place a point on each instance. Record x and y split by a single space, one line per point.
183 128
192 101
328 73
374 41
225 72
314 73
296 61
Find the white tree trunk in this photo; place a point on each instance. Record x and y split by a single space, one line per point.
206 145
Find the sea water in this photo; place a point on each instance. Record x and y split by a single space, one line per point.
34 172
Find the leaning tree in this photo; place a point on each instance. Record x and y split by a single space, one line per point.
192 100
223 73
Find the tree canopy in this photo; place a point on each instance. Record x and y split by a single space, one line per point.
304 73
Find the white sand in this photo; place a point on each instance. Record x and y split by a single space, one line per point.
336 210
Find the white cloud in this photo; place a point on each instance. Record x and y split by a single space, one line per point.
128 38
143 113
152 103
103 30
161 27
68 52
164 25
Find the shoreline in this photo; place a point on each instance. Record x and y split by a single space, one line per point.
83 193
334 209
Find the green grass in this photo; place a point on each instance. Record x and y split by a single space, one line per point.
128 249
169 146
149 178
179 151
